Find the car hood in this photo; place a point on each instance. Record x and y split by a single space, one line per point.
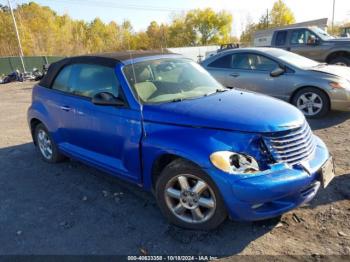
230 110
334 70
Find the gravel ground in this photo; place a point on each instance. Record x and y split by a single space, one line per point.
70 208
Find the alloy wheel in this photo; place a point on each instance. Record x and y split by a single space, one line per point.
310 103
190 198
44 144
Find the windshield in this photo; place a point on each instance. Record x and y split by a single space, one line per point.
322 34
170 79
293 59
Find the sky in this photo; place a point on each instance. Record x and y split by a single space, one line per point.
142 12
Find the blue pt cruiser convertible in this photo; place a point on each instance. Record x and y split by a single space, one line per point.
162 122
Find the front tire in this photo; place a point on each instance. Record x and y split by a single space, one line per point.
45 145
188 198
312 102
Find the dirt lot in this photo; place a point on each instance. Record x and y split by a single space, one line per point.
70 208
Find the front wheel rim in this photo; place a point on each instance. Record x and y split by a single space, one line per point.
190 198
310 103
44 144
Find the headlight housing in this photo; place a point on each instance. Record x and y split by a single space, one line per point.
234 163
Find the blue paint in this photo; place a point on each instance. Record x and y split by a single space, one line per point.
126 143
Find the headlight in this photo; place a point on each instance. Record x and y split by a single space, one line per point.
340 84
234 163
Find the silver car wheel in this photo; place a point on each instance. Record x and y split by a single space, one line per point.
190 198
310 103
44 144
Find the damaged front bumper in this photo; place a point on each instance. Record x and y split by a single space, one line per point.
272 192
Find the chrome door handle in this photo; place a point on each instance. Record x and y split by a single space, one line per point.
234 75
65 108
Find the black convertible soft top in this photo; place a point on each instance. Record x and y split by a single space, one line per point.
106 59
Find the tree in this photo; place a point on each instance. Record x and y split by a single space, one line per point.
157 35
44 32
180 33
209 26
281 14
247 34
8 43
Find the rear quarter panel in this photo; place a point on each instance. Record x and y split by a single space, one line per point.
45 107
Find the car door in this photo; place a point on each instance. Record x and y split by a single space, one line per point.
280 39
306 43
220 69
251 71
57 107
107 136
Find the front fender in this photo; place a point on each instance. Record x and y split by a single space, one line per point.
194 144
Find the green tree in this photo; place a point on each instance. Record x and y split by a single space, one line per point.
181 33
210 27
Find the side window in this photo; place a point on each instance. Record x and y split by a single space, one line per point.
311 38
222 62
263 63
241 61
62 79
253 62
281 38
298 37
89 79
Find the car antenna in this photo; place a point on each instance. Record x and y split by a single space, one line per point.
137 94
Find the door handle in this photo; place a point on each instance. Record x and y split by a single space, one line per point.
234 75
65 108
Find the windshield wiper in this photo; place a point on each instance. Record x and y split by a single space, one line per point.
177 100
220 90
320 64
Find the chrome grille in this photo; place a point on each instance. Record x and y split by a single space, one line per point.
292 146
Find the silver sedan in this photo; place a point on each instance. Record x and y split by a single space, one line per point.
312 87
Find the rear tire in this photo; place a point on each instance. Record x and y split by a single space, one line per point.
312 102
188 198
340 60
45 145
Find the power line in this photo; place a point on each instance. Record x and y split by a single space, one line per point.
95 3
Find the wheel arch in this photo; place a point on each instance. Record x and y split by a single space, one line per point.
309 86
338 53
34 122
161 162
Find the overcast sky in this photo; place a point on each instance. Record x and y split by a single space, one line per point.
142 12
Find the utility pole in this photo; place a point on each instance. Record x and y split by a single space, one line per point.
333 16
267 18
17 34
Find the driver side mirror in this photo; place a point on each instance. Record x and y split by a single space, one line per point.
277 72
107 99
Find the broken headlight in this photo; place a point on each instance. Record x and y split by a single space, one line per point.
234 163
